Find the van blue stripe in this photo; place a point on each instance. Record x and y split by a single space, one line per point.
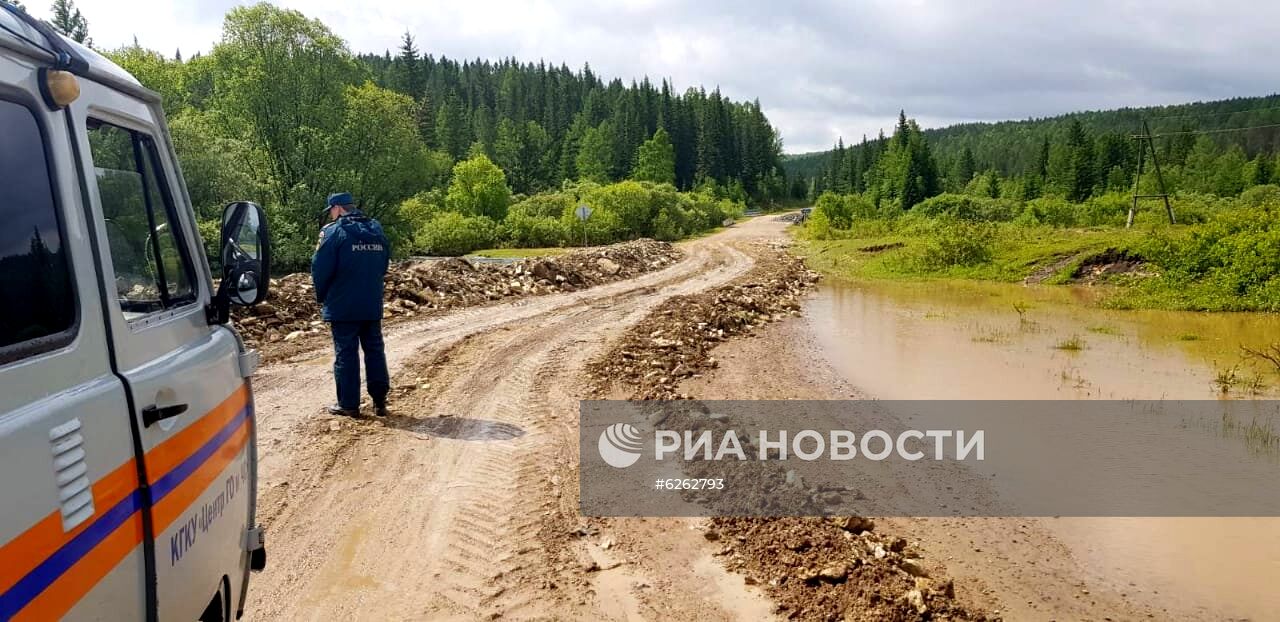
42 576
173 478
53 567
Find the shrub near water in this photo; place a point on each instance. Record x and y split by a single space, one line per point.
950 242
1231 262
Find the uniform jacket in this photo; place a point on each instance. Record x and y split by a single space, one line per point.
348 267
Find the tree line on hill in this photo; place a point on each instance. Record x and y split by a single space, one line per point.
282 112
544 124
1218 148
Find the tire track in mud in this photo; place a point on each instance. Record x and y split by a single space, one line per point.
456 506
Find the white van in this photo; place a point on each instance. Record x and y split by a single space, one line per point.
127 459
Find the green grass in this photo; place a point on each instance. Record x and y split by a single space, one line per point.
1016 253
1071 344
1226 379
517 253
1103 330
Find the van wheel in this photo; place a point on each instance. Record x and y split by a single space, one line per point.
219 606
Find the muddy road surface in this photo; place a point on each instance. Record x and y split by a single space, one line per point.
463 504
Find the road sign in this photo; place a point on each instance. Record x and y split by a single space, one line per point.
583 212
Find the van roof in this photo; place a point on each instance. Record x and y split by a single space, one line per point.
19 36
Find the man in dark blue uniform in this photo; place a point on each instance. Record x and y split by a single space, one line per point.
347 269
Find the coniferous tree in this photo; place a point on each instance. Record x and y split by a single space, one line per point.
1042 161
407 70
656 160
451 126
68 20
1080 162
595 154
965 168
993 184
1262 172
902 134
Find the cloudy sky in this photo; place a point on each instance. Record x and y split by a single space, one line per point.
821 69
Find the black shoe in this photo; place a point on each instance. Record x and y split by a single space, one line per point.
339 411
381 410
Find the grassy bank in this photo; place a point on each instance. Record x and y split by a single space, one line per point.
1226 257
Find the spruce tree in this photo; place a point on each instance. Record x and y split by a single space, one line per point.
408 79
965 168
1042 162
1262 172
1080 163
68 20
993 184
656 160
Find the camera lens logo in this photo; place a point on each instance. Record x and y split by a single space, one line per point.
620 445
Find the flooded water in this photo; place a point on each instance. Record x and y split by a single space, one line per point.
975 341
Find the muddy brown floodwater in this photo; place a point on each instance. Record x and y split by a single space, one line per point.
996 341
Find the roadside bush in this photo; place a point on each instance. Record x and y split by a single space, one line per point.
603 227
968 207
522 231
536 221
1052 211
952 242
452 234
418 210
1266 197
1230 261
629 202
549 205
832 210
1107 210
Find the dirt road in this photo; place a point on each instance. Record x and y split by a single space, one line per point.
463 504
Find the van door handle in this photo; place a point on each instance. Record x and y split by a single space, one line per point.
153 413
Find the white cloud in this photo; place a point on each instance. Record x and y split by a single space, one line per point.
821 68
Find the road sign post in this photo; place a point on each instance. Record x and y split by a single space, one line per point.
583 212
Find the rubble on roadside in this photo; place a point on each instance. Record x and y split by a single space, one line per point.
836 568
675 340
418 287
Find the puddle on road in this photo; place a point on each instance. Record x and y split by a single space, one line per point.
975 341
463 429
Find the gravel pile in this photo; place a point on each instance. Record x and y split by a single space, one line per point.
675 340
418 287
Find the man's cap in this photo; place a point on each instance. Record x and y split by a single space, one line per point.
338 198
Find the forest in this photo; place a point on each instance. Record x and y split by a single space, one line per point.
452 156
1219 148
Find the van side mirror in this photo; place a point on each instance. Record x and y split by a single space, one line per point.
246 259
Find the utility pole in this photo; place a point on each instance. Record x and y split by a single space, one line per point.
1146 142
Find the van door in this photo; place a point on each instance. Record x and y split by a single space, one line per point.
191 403
71 533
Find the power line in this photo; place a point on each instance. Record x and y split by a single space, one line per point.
1218 131
1212 114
